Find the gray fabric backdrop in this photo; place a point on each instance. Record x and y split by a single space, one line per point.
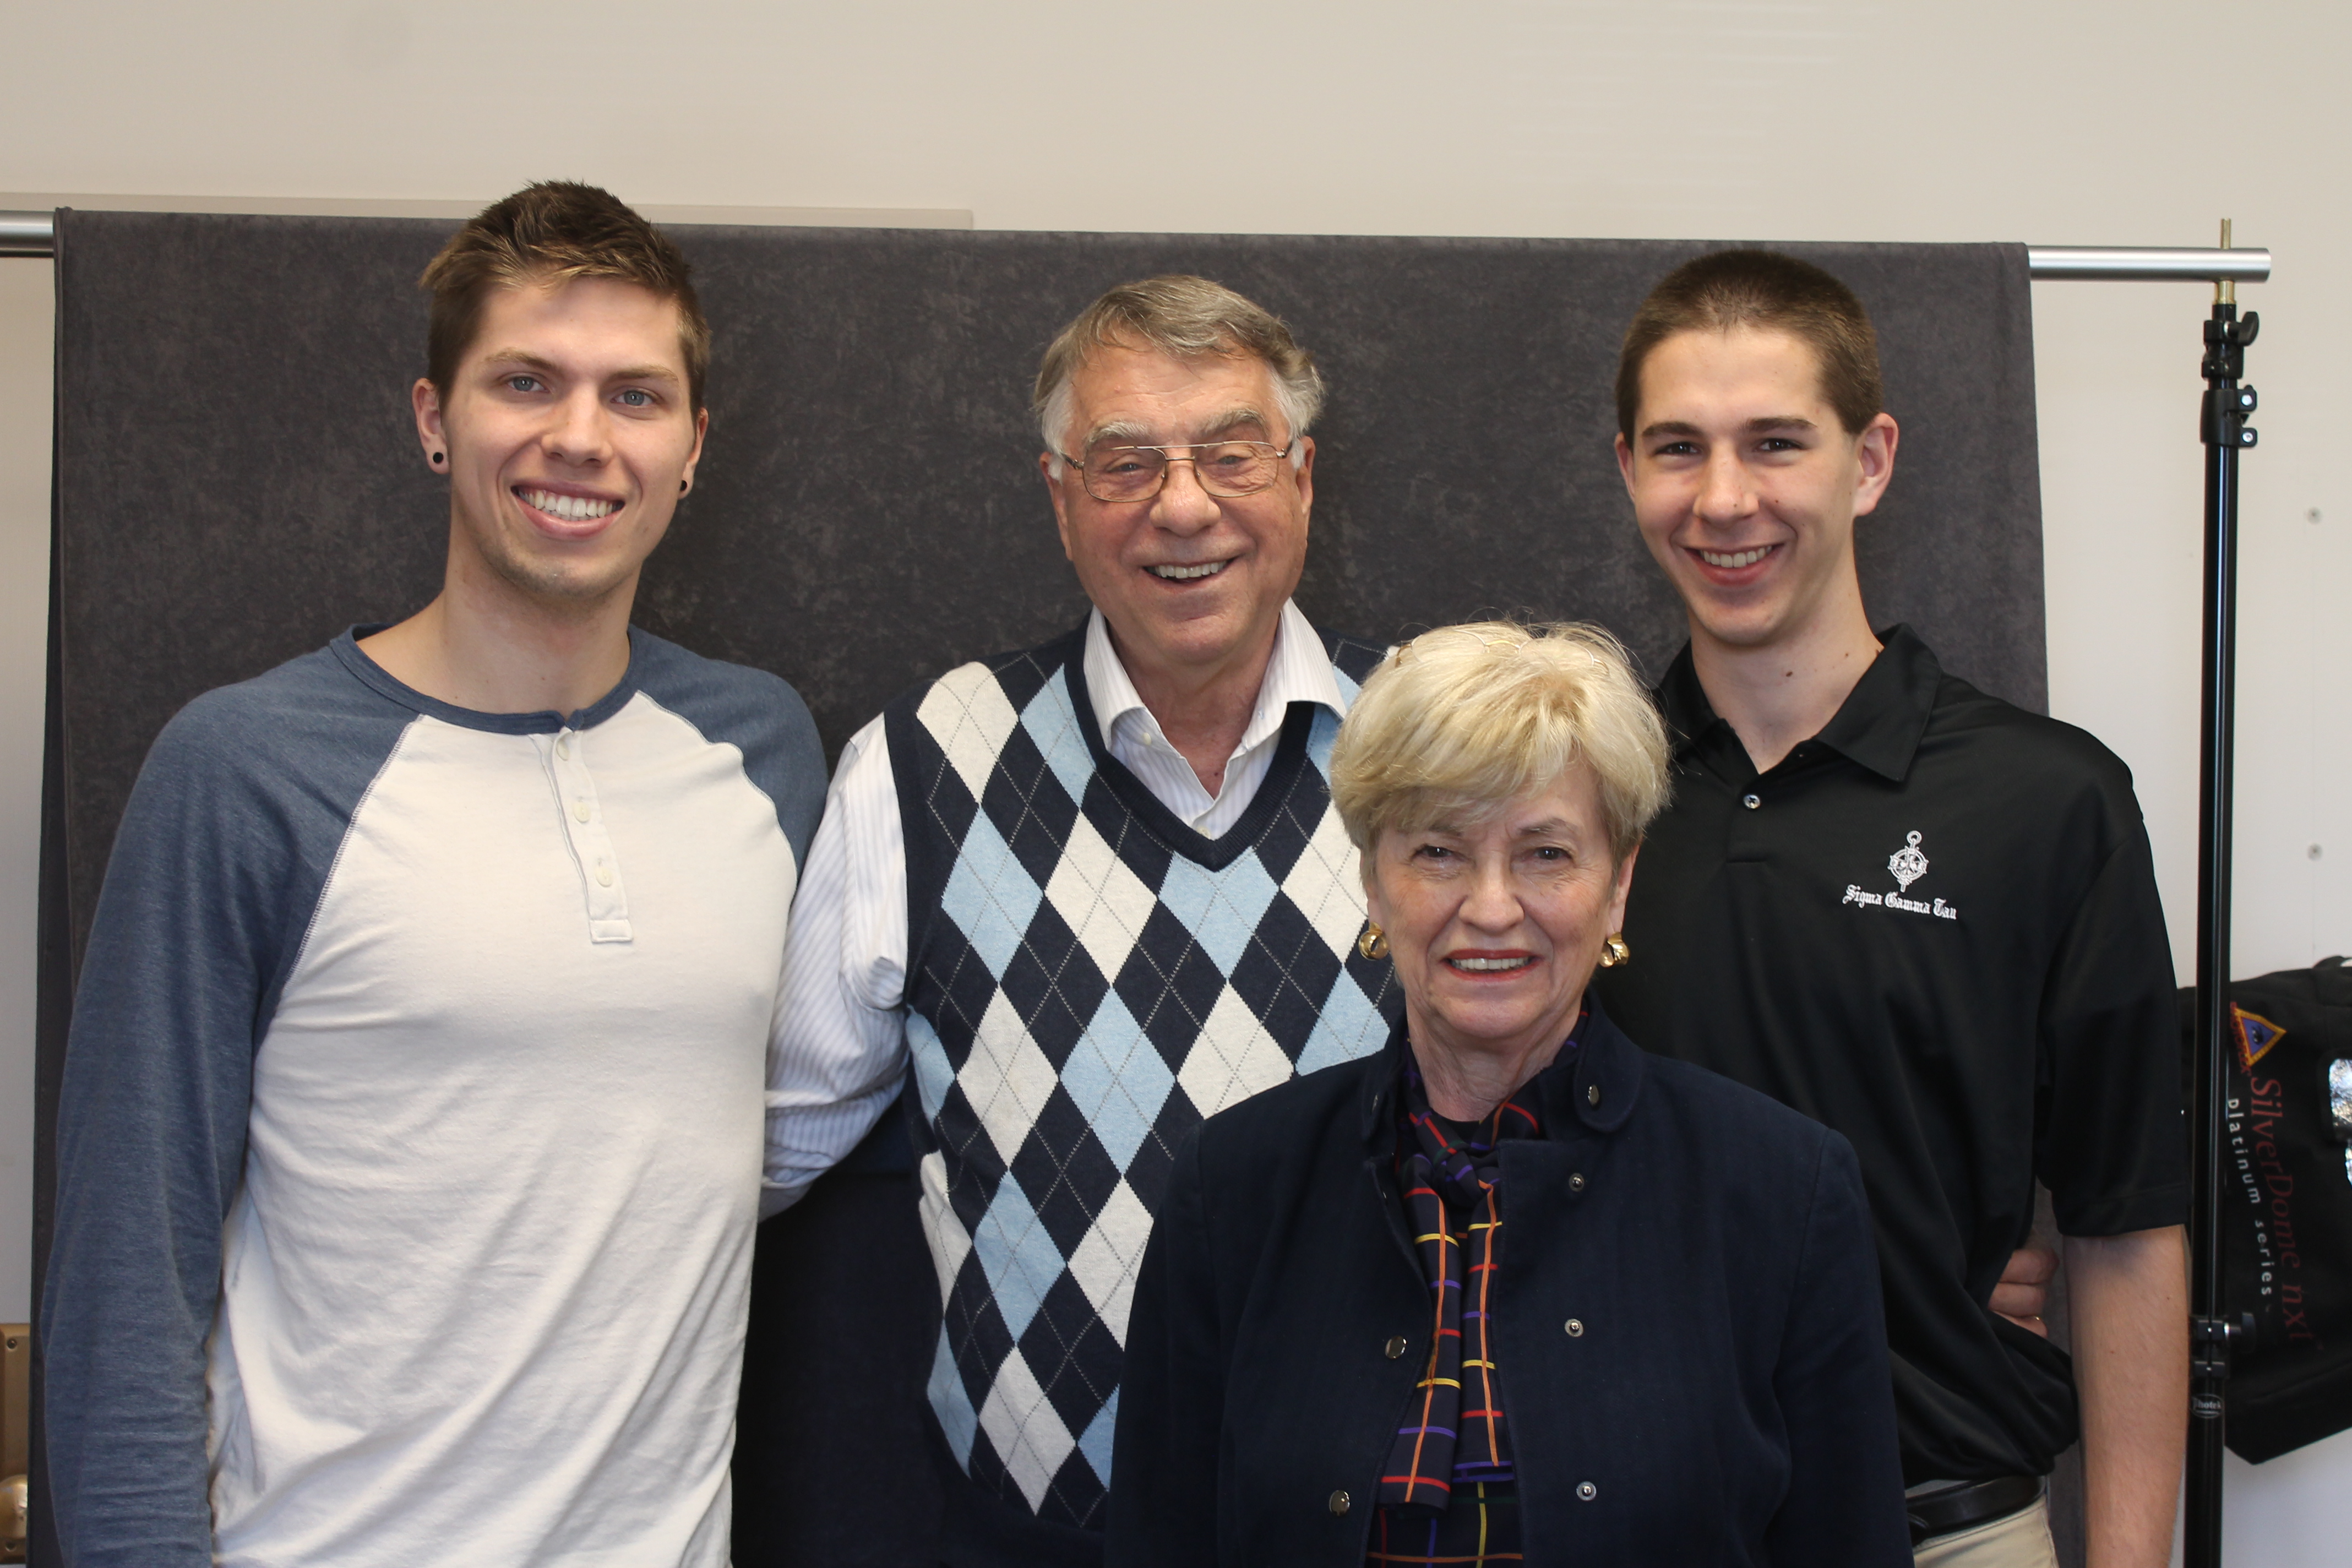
236 481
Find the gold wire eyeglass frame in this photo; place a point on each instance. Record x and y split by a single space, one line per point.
1168 455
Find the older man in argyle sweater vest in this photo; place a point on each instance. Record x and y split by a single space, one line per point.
1094 891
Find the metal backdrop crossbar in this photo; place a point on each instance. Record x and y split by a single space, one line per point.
34 234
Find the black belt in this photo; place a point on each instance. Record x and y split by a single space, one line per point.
1970 1504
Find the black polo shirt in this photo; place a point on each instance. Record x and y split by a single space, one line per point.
1933 927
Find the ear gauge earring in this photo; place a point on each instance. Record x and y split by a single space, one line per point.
439 459
1374 943
1615 951
681 487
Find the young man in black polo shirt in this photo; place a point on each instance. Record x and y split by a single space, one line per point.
1913 911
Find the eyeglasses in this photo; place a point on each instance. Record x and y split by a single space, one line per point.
1226 469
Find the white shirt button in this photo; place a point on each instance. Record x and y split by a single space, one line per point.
580 809
604 875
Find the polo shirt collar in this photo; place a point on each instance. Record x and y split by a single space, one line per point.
1877 727
1297 670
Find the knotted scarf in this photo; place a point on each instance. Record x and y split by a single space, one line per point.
1455 1443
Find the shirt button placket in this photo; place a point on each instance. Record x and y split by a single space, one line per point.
592 845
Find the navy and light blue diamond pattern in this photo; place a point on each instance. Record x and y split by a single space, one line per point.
1090 996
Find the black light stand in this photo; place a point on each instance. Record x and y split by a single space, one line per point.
2225 434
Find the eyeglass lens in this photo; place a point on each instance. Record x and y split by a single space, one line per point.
1116 473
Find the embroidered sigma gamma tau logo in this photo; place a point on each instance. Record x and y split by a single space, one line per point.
1907 864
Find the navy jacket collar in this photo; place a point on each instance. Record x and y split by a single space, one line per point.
1606 1061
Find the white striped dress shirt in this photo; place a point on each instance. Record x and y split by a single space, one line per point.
840 1049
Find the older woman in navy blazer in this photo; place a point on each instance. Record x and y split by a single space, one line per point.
1510 1292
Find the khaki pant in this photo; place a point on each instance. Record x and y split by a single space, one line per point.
2021 1541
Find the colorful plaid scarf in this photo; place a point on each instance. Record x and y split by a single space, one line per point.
1456 1435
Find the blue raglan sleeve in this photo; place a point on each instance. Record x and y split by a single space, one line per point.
218 864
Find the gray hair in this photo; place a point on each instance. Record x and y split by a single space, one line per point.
1465 719
1186 316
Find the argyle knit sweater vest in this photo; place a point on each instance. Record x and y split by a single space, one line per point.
1088 978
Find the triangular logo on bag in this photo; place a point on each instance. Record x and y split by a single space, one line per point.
2256 1035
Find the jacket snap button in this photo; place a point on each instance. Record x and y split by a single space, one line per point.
1395 1347
1751 801
1576 1181
1586 1491
1339 1503
1576 1327
1593 1094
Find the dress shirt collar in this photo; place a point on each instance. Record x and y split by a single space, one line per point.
1297 671
1878 726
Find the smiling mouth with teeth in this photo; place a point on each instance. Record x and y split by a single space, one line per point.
1490 965
1186 573
570 509
1737 558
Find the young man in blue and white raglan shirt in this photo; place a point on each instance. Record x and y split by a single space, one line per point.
409 1150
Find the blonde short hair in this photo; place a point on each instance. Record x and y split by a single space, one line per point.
1463 719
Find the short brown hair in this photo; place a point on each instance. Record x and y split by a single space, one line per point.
1187 317
552 232
1771 292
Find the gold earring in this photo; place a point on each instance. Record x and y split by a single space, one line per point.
1374 943
1615 951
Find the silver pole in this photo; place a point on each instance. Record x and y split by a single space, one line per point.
2127 264
34 234
28 234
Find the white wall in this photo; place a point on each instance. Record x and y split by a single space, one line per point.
2059 121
